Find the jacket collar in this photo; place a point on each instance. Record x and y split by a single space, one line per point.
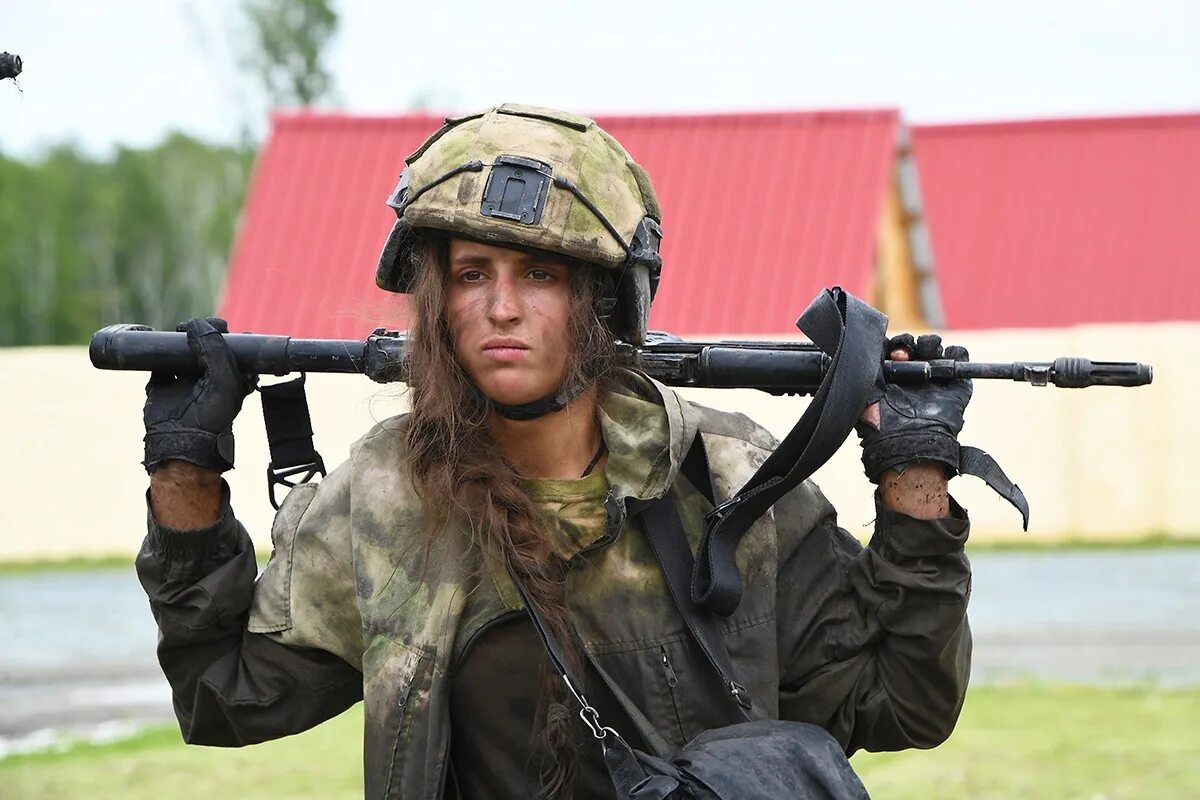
647 428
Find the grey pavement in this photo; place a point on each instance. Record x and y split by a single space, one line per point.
77 648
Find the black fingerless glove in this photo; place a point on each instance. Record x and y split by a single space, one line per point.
916 423
921 423
190 418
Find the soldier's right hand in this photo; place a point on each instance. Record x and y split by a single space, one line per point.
189 417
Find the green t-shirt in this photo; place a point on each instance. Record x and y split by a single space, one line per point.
574 508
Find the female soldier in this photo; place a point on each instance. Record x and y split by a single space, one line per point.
528 239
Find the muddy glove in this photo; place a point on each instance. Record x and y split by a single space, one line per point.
190 418
922 423
916 423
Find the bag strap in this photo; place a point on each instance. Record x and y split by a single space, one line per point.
853 335
587 712
664 531
619 758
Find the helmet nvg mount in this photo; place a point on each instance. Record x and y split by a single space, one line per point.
534 178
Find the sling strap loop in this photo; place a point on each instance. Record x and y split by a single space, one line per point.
853 334
973 461
290 436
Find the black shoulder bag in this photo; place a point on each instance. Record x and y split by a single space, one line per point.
758 759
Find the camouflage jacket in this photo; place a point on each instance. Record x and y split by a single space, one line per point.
358 601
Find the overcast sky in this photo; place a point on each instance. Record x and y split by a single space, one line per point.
126 71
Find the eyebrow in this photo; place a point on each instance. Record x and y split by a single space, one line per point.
470 260
478 260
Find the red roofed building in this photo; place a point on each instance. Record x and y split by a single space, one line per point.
1063 222
761 211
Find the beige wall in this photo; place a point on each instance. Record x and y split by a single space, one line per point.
1094 463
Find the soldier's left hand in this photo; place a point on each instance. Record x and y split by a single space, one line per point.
919 423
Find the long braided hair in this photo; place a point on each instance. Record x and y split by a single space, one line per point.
464 478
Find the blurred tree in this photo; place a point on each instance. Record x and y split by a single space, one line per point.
142 237
287 48
41 258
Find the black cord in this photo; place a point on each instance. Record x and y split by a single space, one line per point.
595 459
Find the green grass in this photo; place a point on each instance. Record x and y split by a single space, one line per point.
1046 741
1151 541
325 762
23 567
1021 741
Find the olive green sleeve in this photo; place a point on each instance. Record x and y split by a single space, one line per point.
873 642
240 676
307 595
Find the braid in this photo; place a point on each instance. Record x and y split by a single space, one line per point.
463 476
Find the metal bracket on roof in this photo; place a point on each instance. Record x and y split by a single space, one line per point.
516 189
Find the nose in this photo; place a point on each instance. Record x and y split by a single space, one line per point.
504 301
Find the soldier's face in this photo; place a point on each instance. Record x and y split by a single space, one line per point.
508 313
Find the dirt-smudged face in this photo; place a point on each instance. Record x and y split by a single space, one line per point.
508 312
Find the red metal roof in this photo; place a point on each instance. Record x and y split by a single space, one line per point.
1062 222
760 212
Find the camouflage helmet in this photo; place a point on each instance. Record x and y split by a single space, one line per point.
534 178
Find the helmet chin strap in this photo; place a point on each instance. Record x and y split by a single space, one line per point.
538 408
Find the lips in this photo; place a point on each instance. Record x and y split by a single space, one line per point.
505 349
505 344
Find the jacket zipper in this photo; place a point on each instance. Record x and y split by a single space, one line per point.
672 682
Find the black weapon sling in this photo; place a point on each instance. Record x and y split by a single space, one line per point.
853 335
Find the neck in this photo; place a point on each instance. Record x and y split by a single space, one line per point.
555 445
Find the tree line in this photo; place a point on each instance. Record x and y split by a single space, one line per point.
141 236
145 234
